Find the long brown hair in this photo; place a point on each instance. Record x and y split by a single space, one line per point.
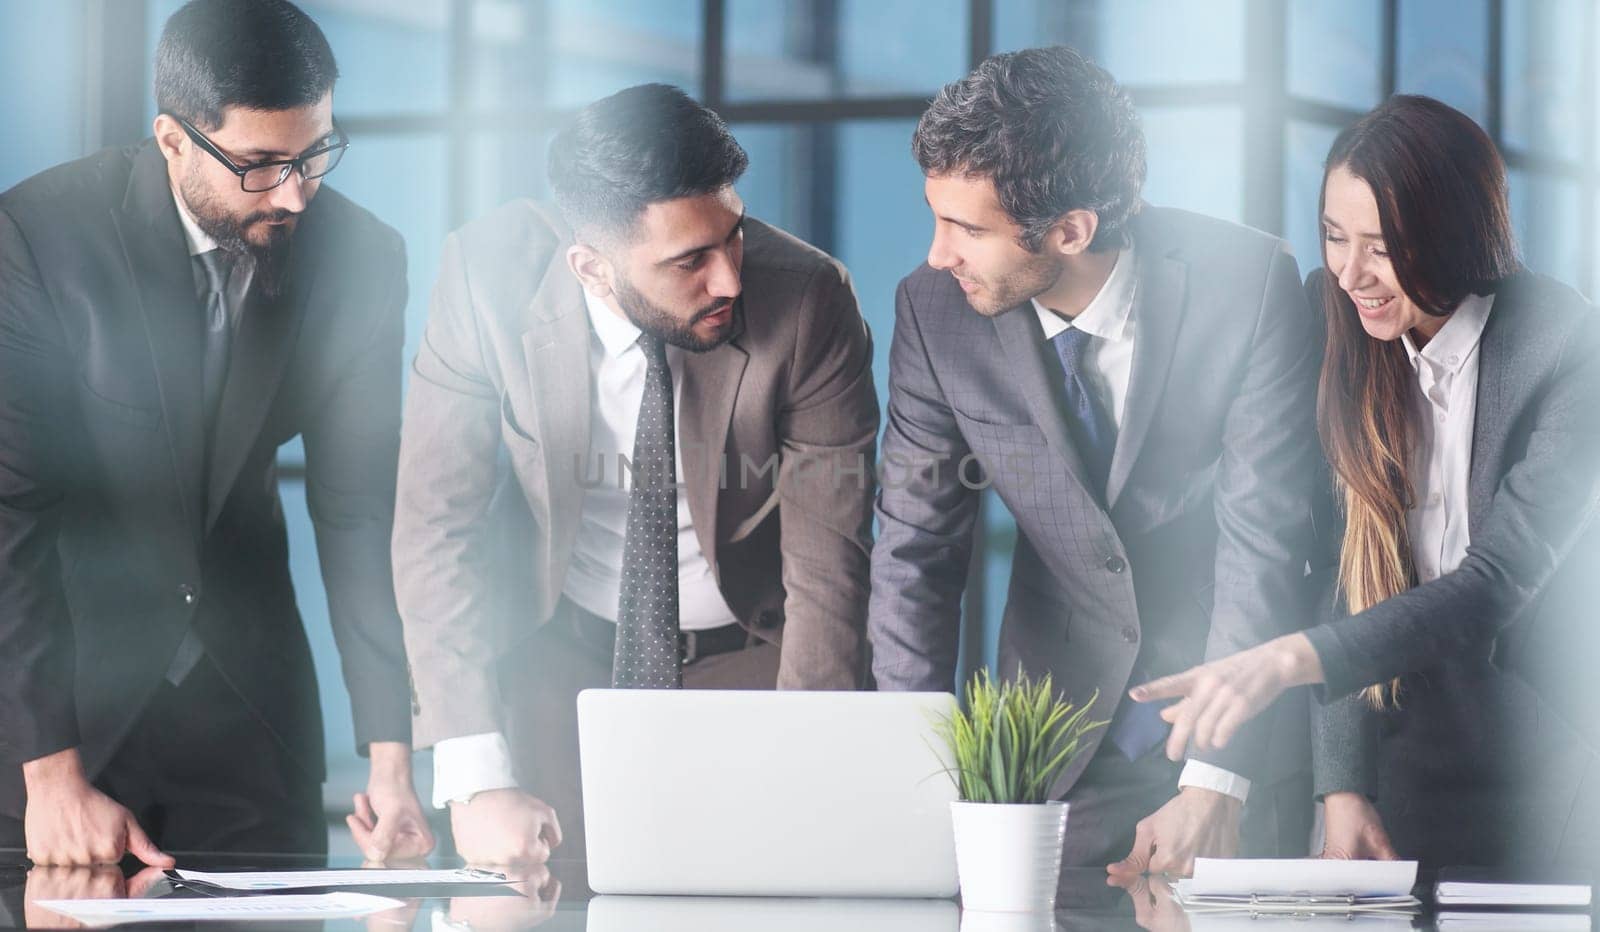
1446 223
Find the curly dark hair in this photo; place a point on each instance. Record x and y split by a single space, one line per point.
648 143
1053 130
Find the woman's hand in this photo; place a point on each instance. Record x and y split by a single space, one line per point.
1218 697
1353 830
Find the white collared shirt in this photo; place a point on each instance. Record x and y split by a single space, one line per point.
475 763
1109 364
1445 405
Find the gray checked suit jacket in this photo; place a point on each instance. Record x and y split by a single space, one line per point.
1202 549
776 431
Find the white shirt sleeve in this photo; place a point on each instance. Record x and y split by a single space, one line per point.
1195 773
470 764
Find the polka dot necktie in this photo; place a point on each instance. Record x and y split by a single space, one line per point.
647 614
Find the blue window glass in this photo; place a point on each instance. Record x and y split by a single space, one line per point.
1543 76
1444 52
1306 147
1545 213
1196 156
1150 42
1335 51
599 47
867 48
42 67
392 57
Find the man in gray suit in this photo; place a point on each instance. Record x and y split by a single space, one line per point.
1137 384
647 332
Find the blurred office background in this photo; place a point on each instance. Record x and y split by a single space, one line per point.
451 103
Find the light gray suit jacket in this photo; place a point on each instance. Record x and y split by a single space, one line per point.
776 432
1201 550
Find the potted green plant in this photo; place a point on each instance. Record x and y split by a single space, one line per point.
1009 742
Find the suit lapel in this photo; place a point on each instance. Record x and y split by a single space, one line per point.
709 388
261 348
159 267
1499 386
1037 376
556 350
1157 313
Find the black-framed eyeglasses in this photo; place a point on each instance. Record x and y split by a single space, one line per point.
264 176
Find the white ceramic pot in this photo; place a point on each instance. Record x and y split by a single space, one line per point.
1009 856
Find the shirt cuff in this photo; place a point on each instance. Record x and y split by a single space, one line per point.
1203 775
470 764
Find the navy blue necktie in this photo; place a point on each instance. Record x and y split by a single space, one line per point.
1093 433
1136 727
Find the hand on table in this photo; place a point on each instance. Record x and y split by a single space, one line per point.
69 822
1353 830
539 893
504 827
388 823
1196 823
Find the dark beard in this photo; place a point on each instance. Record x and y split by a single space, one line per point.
269 264
662 325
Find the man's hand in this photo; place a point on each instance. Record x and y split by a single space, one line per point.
69 822
504 827
1216 698
388 823
1154 909
1196 823
538 895
1353 830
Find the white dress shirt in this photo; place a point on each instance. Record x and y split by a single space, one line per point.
1109 364
1445 405
475 763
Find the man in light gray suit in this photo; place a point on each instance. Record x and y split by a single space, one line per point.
682 399
1137 384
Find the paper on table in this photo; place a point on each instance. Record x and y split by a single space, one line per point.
295 906
1300 877
305 880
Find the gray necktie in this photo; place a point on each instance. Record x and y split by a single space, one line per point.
647 613
217 267
212 271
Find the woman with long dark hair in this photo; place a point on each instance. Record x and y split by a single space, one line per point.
1459 409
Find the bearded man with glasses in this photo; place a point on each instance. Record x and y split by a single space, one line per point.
170 314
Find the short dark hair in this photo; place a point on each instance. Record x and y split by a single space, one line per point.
255 54
648 143
1443 208
1052 130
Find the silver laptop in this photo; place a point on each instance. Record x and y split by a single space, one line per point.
736 793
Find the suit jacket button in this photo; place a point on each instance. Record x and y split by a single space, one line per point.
188 593
1116 564
1130 635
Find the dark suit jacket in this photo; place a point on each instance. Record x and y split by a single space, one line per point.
107 555
1498 657
1203 547
776 432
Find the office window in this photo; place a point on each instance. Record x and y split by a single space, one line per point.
1335 52
1196 159
1444 52
598 47
1307 146
1545 211
42 50
393 58
1177 42
821 49
1544 76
